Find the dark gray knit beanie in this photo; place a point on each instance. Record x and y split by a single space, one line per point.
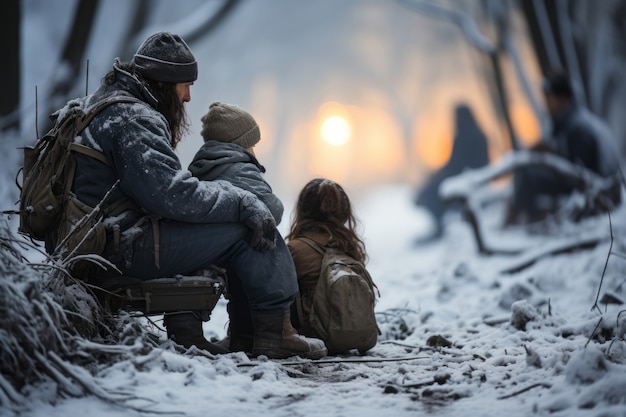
229 123
166 57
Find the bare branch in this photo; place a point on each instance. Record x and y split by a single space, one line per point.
462 20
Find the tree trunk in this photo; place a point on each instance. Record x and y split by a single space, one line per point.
10 68
72 56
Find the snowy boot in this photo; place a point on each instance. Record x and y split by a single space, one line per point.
275 337
186 330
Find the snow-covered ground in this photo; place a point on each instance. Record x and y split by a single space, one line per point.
524 338
522 343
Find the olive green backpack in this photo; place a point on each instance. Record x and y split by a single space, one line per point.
46 202
342 311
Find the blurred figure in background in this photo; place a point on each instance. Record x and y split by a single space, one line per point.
576 135
469 151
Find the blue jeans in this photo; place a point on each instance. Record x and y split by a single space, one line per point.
267 278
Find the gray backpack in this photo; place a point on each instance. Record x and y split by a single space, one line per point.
342 312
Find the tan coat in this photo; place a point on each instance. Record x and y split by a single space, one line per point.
308 264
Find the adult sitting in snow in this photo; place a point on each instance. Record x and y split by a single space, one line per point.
230 134
179 224
578 136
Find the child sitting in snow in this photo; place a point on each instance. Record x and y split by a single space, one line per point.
229 134
323 214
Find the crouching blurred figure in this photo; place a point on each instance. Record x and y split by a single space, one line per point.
581 138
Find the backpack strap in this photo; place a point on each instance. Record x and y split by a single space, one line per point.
318 248
91 111
88 114
298 302
86 150
322 250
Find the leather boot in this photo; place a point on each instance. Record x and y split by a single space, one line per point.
237 341
240 328
240 334
275 337
241 340
186 330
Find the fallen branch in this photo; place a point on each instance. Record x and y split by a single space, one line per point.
462 188
553 248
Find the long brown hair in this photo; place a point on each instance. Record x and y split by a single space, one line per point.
323 206
168 103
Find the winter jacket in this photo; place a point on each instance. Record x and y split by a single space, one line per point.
136 141
230 162
582 137
308 264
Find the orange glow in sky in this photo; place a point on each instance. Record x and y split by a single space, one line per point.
336 130
364 145
526 124
348 144
433 144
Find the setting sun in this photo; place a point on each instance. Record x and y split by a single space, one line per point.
336 130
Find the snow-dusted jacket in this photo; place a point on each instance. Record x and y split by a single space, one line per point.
136 140
582 137
230 162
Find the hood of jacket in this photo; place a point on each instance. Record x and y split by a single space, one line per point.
213 159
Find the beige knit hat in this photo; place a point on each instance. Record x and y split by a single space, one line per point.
229 123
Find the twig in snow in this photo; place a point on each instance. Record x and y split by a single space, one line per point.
608 350
338 360
523 390
593 332
549 308
619 255
595 304
406 345
437 379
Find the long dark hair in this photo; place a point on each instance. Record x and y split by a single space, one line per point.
323 206
168 103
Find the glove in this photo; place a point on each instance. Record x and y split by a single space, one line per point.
259 219
263 233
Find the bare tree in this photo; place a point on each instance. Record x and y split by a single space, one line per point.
494 51
586 39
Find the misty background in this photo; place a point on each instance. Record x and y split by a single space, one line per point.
394 73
